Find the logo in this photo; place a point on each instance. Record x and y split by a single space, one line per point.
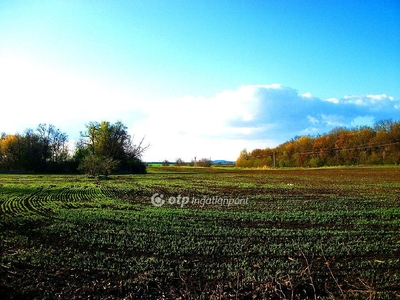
157 200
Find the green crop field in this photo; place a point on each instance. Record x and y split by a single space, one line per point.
202 233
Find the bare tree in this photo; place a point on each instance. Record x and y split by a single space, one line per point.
180 162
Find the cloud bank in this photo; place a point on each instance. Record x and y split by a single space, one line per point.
254 116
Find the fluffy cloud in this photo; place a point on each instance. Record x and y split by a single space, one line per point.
203 127
290 113
254 116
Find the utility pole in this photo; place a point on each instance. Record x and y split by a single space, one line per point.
274 158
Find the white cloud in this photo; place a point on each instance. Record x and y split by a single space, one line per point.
332 120
263 115
377 97
193 126
252 116
363 121
333 100
312 119
307 95
367 99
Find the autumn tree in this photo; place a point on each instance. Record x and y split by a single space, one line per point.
323 150
10 153
40 150
302 151
243 159
341 146
394 145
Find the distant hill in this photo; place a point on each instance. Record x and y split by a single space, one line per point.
214 162
222 162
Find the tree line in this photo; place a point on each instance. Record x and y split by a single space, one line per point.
102 148
203 162
379 144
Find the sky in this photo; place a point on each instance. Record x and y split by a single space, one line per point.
199 78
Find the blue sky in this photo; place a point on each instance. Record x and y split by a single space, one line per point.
200 78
